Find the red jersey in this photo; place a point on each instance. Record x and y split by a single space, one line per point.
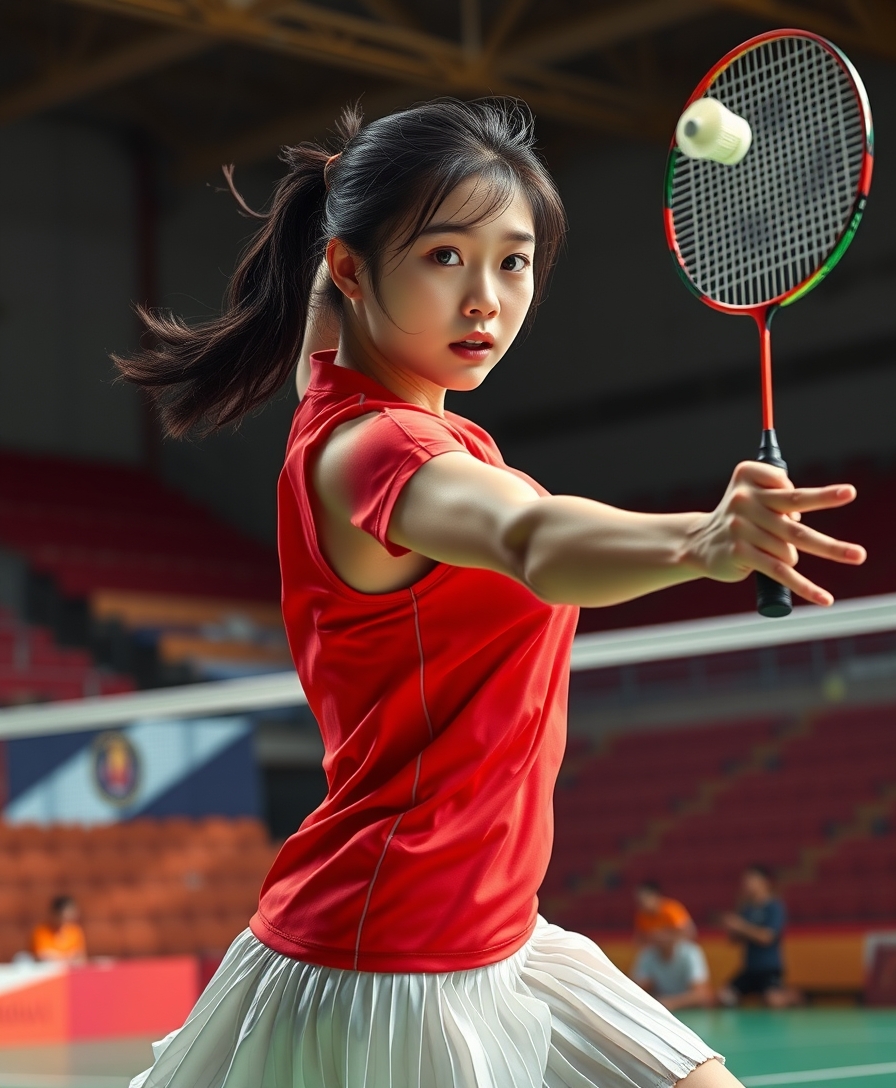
443 714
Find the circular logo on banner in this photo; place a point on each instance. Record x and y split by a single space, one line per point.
116 768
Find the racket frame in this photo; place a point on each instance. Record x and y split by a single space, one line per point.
763 313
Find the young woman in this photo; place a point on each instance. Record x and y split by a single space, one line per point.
430 596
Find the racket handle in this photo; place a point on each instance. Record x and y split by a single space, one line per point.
772 599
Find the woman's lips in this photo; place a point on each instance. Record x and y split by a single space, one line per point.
474 354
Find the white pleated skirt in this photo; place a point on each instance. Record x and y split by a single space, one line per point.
555 1014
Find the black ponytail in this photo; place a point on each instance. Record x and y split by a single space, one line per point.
391 175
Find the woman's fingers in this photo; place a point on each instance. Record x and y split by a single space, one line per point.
781 572
767 540
762 518
806 499
812 542
805 539
779 494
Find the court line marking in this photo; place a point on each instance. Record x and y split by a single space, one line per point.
809 1076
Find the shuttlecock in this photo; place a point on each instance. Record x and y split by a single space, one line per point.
708 130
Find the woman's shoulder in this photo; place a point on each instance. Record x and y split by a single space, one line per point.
476 433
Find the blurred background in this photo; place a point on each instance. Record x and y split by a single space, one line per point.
139 578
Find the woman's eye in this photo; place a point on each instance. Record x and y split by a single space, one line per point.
515 263
446 257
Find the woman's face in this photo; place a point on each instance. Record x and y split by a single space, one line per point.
452 304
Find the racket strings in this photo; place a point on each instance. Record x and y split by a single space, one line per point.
750 233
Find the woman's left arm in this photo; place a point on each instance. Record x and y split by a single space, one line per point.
569 550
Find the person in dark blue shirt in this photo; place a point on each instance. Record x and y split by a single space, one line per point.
758 925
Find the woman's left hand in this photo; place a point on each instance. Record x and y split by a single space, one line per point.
757 527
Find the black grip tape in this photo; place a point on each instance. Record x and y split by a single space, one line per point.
772 599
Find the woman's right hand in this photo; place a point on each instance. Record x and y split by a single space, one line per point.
757 527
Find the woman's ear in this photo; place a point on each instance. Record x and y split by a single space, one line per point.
343 267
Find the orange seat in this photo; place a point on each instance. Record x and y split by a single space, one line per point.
21 837
16 904
192 902
99 867
191 864
51 837
237 898
216 934
141 937
177 828
104 937
155 899
132 865
218 827
145 830
14 937
179 935
156 610
251 829
106 836
253 862
118 901
36 866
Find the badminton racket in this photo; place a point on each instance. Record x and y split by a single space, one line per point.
766 182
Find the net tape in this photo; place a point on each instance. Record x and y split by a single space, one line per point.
751 232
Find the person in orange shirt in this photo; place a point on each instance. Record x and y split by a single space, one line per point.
658 912
62 939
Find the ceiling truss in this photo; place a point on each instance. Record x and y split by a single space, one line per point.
508 55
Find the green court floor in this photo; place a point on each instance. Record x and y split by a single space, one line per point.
843 1048
840 1048
79 1065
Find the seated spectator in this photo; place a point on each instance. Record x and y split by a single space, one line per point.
62 940
758 926
657 911
674 971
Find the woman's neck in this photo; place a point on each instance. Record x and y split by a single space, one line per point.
357 352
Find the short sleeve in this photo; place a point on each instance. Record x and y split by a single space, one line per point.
390 449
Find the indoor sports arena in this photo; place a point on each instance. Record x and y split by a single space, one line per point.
725 810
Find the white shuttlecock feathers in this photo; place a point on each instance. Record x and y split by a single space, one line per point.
708 130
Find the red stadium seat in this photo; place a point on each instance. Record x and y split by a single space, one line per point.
814 794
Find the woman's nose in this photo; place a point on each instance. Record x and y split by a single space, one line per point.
482 302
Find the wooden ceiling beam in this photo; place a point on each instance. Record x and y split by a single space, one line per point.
549 99
261 143
610 26
290 128
503 24
546 99
471 28
641 114
420 60
390 12
874 16
278 15
89 75
322 18
329 44
878 38
301 29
